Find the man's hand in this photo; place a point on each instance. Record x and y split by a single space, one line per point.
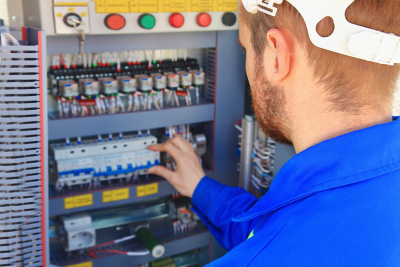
188 172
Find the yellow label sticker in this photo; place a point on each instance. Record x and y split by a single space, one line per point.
84 14
71 9
78 201
59 15
160 6
147 190
115 195
85 264
71 4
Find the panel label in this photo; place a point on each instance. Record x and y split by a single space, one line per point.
147 190
115 195
78 201
85 264
159 6
70 2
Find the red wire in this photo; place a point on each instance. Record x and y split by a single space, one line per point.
113 251
239 122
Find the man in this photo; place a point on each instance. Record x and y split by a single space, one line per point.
326 86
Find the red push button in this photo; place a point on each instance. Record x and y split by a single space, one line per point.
114 22
176 20
204 19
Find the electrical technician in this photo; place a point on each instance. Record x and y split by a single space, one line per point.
323 74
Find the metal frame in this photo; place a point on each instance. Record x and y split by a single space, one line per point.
127 122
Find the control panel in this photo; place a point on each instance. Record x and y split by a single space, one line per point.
137 16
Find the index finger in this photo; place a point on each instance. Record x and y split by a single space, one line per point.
168 147
184 145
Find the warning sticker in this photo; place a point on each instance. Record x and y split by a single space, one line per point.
115 195
147 190
85 264
78 201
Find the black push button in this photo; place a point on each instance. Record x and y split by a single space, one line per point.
229 19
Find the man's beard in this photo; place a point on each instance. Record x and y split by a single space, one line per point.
269 106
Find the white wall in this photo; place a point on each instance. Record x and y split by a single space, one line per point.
4 12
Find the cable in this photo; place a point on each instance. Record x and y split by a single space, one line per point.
128 253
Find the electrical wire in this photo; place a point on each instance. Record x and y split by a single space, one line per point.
128 253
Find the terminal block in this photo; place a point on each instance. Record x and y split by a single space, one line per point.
93 162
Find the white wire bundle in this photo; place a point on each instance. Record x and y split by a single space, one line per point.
263 163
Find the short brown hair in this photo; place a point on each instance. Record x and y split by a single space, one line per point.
351 83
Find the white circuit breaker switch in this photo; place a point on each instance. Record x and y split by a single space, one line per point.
68 88
78 231
186 78
199 77
89 87
159 81
93 161
172 79
108 86
127 84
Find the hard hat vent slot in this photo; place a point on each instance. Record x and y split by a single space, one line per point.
326 27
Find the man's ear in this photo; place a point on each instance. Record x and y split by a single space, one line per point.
278 43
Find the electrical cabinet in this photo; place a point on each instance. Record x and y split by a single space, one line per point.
125 91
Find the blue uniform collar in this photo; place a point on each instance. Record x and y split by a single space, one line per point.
351 158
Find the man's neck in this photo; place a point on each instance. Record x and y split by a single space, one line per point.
318 125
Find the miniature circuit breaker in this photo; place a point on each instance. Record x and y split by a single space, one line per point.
93 162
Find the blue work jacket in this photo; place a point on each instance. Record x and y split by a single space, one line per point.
335 204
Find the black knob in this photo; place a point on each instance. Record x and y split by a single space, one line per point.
229 19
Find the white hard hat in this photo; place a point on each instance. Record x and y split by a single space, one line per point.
347 38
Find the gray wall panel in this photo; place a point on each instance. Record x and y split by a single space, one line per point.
230 87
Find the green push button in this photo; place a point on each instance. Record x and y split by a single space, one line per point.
147 21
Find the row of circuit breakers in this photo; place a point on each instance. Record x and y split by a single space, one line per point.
132 16
91 162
